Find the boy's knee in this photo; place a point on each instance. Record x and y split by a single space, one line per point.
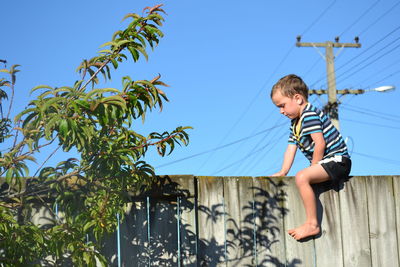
302 178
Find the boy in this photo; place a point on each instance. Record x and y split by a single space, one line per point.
313 133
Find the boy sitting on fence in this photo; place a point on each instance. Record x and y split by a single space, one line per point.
313 133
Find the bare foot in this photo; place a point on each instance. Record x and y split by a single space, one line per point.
306 230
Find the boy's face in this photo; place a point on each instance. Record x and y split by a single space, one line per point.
290 107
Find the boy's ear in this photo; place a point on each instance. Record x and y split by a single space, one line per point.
299 99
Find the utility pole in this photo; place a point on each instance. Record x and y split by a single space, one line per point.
332 106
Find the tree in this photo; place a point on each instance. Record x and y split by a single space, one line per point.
98 123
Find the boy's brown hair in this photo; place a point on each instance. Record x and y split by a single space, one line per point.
290 85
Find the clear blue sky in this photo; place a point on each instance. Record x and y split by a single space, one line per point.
221 59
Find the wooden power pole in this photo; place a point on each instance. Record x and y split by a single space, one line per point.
332 106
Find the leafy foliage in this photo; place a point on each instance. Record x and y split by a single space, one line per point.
96 122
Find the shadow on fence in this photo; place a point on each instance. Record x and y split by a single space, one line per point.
162 229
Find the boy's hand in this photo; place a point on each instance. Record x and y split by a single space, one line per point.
278 174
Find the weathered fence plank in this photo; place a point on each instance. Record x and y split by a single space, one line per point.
269 197
211 218
134 236
381 211
396 186
163 233
331 238
187 226
355 229
301 253
238 195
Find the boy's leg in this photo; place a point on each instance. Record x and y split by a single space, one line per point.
304 179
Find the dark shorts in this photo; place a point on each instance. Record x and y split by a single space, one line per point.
338 167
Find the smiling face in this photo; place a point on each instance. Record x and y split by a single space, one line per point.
291 107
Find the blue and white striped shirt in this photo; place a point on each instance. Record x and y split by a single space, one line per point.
313 120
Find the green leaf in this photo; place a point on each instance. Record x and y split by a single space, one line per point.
63 127
41 87
115 63
82 103
100 91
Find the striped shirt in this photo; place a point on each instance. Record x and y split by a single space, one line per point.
313 120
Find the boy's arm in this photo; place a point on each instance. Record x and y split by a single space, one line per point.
319 147
287 160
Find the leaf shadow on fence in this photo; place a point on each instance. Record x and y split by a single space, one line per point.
172 238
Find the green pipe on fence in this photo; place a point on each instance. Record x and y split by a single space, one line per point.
118 241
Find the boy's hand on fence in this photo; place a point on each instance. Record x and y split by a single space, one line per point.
278 174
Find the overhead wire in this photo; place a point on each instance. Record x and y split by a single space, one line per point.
360 17
386 77
385 68
319 17
252 153
371 124
368 64
389 116
311 68
262 138
255 150
382 159
380 17
217 148
255 130
252 165
371 114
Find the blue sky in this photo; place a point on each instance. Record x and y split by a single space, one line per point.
220 59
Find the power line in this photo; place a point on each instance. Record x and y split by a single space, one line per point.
360 17
380 71
252 153
254 148
319 17
371 124
369 63
370 114
263 156
254 131
311 68
379 18
391 116
217 148
386 160
386 77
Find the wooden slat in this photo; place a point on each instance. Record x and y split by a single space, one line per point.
301 253
133 231
381 211
355 228
269 196
238 195
211 246
186 183
163 233
396 187
328 246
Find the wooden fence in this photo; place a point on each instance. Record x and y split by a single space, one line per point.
242 221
